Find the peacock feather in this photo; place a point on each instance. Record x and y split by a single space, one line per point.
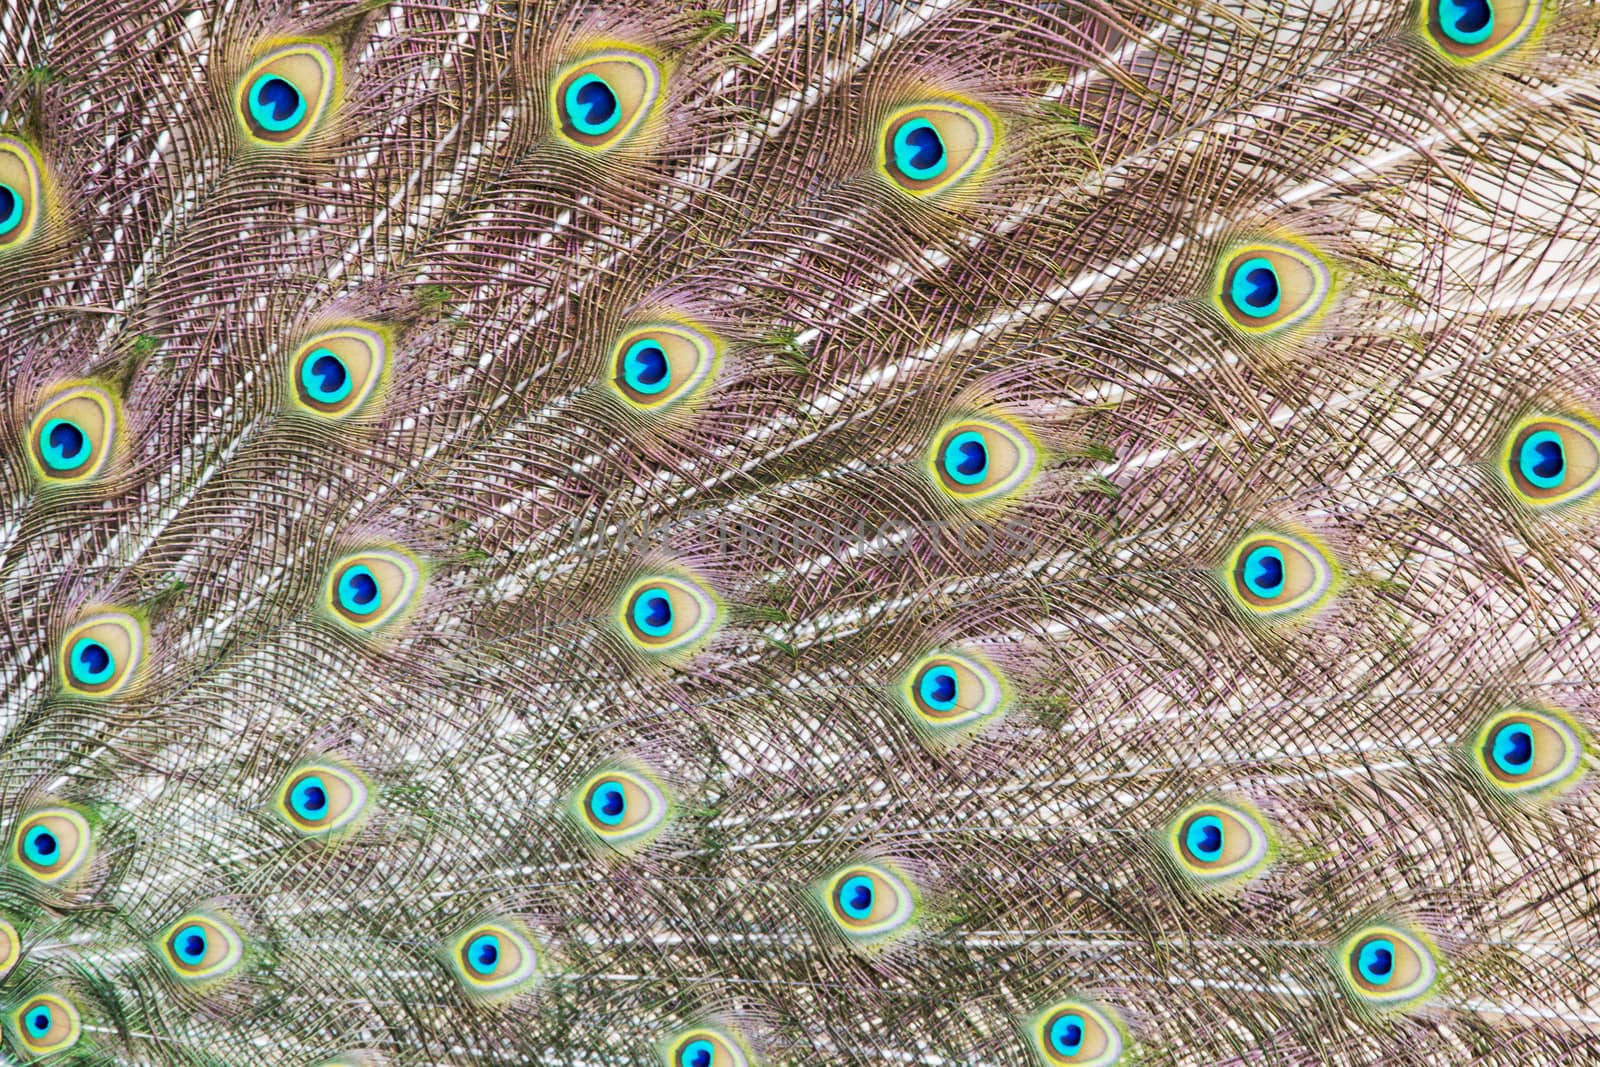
960 533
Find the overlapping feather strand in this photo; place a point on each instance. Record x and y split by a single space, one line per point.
948 532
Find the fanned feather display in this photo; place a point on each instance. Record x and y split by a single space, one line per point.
938 532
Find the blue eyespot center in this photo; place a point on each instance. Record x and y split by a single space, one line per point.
39 1021
1066 1034
276 105
1543 459
65 447
966 458
1376 961
92 662
698 1053
10 209
1263 572
938 688
190 944
645 368
592 105
358 590
652 613
1263 284
919 150
310 798
855 897
41 846
1467 22
1255 290
608 803
484 953
325 378
1512 749
1204 838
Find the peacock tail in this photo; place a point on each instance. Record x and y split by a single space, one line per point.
912 532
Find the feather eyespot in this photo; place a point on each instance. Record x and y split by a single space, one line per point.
1468 31
10 947
705 1047
1527 753
599 101
1274 576
323 800
494 959
337 373
101 655
370 590
1270 287
655 367
74 434
982 461
948 695
1075 1033
624 811
666 614
286 93
21 193
52 845
200 950
46 1024
870 903
1218 845
1552 460
1386 967
929 149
